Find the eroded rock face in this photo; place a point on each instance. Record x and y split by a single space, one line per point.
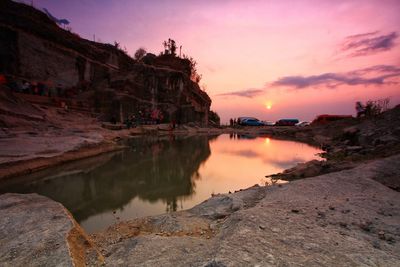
36 231
145 88
100 77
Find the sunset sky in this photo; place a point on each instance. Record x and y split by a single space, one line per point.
302 58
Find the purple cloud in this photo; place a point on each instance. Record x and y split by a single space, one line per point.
368 43
375 75
377 69
250 93
362 35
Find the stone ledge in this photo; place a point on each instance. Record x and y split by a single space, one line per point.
36 231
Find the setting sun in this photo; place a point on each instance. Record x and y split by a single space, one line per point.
268 105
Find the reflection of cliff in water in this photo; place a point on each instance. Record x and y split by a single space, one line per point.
151 170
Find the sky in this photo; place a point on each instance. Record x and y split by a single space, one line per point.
262 58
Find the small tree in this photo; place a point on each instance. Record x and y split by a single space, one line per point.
172 47
214 117
194 76
165 44
372 107
140 53
376 107
169 47
125 50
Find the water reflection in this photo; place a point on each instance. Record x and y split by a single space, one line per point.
155 176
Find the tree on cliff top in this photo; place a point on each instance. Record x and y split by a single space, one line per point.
214 118
194 75
140 53
169 47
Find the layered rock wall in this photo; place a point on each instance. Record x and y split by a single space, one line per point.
34 48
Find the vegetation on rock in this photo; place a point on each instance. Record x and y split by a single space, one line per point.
140 53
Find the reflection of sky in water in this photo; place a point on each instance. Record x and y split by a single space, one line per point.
157 176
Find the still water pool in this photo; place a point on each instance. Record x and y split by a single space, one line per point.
154 176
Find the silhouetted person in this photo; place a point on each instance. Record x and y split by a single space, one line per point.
25 87
132 118
3 79
59 90
113 120
33 89
41 88
128 122
141 117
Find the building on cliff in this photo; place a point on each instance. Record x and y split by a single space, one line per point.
102 77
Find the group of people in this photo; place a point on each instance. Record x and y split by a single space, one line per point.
233 122
40 88
131 121
154 116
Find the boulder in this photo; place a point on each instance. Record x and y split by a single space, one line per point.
164 127
322 140
386 139
351 130
307 169
36 231
354 148
111 126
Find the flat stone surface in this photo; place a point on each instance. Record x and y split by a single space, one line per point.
36 231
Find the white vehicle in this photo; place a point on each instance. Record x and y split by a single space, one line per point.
268 123
303 123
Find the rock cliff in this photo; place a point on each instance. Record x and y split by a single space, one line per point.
101 77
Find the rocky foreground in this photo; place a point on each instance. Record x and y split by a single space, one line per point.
339 219
36 231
